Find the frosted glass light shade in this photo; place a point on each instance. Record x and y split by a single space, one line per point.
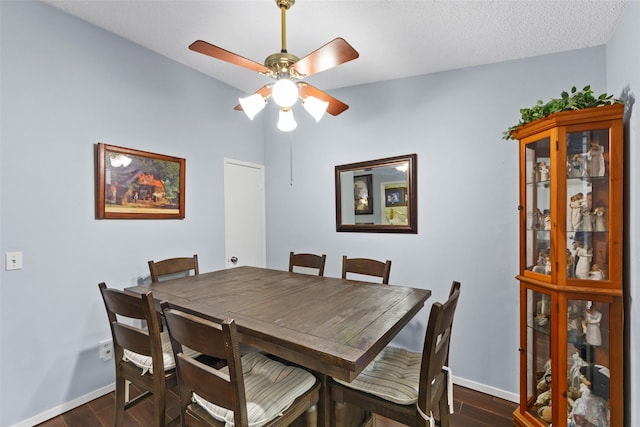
315 107
252 105
286 122
285 93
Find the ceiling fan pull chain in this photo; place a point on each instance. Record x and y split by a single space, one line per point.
290 159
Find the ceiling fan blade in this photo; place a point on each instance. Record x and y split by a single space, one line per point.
334 53
224 55
335 106
265 91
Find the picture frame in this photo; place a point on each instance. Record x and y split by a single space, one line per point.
396 196
363 194
134 184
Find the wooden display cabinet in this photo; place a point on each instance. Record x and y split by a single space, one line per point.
571 318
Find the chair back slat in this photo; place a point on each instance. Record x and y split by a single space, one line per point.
366 266
132 338
219 340
123 304
307 261
215 387
195 333
172 266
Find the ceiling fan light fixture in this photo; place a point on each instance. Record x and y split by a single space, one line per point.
285 93
252 105
286 121
314 106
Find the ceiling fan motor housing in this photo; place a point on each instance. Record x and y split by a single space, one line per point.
280 64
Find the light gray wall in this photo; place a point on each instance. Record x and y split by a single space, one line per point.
67 85
468 193
623 80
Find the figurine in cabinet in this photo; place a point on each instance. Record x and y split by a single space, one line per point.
587 215
570 264
596 273
575 376
591 325
595 157
536 219
600 222
543 312
576 204
543 264
587 221
583 266
575 166
573 323
588 204
588 410
543 171
547 220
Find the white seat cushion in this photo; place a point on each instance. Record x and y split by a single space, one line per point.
146 362
270 388
394 375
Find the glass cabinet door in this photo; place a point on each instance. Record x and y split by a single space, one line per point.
587 204
538 206
588 363
538 351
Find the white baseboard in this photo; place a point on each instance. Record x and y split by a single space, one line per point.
483 388
54 412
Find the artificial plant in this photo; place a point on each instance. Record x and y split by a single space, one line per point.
577 100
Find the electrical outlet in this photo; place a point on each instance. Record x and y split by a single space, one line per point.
106 350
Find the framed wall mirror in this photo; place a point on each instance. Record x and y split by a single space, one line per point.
378 196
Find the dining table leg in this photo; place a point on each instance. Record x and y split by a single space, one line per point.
324 404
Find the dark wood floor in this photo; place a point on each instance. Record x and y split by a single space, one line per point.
472 409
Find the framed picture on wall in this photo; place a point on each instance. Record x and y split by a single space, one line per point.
134 184
362 194
395 196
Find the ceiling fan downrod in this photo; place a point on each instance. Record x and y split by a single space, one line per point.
281 62
284 5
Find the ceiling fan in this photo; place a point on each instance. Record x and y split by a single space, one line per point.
288 70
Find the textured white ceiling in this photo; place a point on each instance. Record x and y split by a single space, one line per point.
394 38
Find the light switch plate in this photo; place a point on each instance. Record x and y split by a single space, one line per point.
13 261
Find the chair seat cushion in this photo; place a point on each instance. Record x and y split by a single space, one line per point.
270 388
146 362
394 375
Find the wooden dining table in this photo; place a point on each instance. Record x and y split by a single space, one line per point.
331 326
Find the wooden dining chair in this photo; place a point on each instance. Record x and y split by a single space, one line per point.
251 390
142 357
366 266
173 266
404 386
307 261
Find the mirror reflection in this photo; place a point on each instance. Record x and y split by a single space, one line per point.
377 195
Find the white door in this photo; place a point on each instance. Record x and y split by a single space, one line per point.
244 213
